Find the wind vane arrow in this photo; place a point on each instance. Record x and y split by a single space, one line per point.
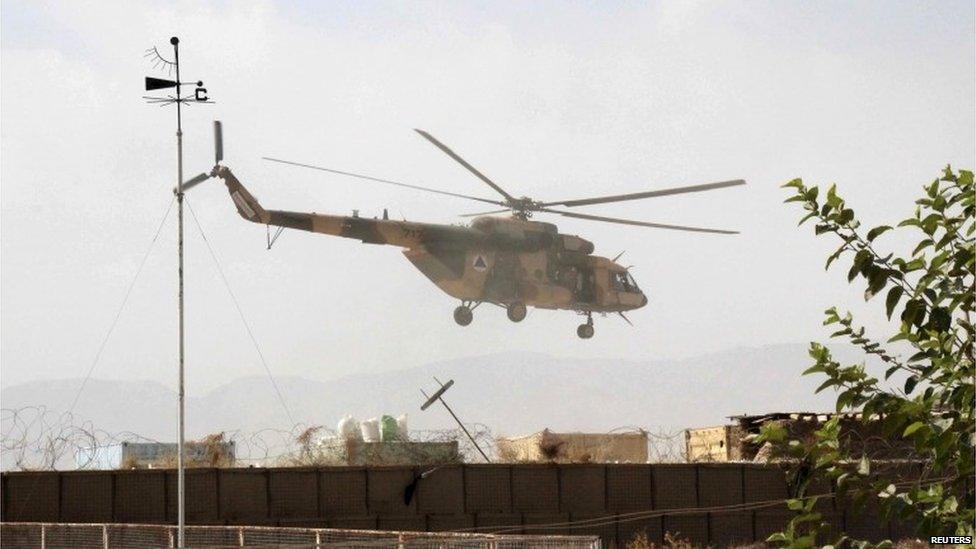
159 83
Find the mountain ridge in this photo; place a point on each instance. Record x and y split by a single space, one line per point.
511 392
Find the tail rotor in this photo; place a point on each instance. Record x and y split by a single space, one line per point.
218 156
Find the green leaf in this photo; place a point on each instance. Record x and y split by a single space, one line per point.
862 259
877 231
914 312
805 218
912 428
940 319
891 301
827 384
876 282
834 256
922 245
910 384
846 216
813 369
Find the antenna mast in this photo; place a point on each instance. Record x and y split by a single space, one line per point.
439 396
200 96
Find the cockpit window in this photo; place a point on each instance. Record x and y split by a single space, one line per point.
633 283
623 282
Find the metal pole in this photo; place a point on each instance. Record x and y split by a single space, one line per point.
465 429
180 465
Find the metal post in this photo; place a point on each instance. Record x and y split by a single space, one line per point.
465 429
180 465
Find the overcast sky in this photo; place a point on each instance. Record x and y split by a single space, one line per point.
552 100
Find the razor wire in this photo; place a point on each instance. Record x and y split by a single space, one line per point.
40 438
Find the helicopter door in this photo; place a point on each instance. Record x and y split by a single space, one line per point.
585 286
501 284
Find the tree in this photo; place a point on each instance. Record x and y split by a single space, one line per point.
929 293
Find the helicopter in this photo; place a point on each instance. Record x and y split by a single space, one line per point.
511 261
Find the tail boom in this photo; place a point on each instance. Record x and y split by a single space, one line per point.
373 231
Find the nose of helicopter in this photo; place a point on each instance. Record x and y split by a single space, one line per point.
643 300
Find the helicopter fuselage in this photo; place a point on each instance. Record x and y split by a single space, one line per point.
501 260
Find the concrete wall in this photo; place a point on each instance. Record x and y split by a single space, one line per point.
513 498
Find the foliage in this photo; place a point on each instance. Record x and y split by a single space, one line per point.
929 294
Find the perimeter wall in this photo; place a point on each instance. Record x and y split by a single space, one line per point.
705 503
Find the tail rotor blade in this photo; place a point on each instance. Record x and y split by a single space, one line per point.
218 141
200 178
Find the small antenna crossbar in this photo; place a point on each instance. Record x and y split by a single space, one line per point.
439 396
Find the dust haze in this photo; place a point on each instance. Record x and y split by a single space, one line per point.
551 100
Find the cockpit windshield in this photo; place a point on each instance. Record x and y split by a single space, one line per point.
623 282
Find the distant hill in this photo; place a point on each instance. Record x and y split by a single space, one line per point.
512 393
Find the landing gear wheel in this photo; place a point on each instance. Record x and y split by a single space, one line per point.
463 315
585 331
516 311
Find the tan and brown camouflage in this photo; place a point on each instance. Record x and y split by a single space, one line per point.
497 260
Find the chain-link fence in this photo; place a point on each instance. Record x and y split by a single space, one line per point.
23 535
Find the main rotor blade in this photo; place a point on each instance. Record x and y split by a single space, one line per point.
648 194
464 163
638 223
484 213
387 181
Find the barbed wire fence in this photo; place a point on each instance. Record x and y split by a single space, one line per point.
36 438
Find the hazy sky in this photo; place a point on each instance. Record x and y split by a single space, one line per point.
552 100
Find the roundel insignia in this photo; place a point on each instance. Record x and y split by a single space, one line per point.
480 264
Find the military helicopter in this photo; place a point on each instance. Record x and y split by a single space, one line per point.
513 261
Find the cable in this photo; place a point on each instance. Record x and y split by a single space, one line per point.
111 329
240 312
118 313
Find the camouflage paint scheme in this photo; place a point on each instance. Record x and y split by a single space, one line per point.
495 259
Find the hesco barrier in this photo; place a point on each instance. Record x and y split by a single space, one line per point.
708 504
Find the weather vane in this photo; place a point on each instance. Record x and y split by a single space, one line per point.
160 62
199 96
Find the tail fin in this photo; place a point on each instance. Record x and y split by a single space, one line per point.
247 205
